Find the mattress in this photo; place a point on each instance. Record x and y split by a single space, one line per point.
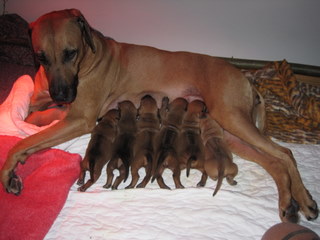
244 211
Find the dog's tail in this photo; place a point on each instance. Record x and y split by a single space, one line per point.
219 154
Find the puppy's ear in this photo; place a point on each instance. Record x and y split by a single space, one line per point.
159 115
118 115
204 112
165 104
138 114
85 28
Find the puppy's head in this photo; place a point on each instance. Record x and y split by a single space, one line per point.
197 109
60 41
127 110
176 111
112 115
148 105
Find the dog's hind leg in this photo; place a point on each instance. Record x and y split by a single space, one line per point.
148 169
232 171
84 167
233 112
135 166
110 167
148 176
203 179
120 178
176 176
288 208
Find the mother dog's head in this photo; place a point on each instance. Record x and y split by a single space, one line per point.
60 41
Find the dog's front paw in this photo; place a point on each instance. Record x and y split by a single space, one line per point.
311 210
14 184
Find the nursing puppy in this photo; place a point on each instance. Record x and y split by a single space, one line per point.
167 141
218 158
123 146
191 147
99 149
148 124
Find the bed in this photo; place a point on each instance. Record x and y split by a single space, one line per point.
244 211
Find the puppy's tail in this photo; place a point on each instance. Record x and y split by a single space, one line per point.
189 163
158 163
126 163
149 158
216 147
126 154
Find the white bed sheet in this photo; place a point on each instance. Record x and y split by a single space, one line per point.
244 211
241 212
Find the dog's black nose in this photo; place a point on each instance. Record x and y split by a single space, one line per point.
64 96
63 93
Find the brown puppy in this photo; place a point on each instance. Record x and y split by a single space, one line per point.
122 155
92 73
218 158
167 141
191 147
99 149
144 148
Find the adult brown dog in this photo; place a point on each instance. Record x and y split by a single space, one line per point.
91 73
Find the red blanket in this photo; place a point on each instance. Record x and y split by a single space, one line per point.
47 177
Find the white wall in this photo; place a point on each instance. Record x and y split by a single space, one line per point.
252 29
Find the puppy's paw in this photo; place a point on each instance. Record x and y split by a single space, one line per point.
14 184
200 184
141 185
81 189
107 186
80 182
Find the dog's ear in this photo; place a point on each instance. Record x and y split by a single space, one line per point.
35 59
85 28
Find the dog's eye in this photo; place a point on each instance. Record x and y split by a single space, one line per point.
69 55
42 58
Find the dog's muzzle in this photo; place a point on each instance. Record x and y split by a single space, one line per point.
63 93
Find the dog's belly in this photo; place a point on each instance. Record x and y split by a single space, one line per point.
172 93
